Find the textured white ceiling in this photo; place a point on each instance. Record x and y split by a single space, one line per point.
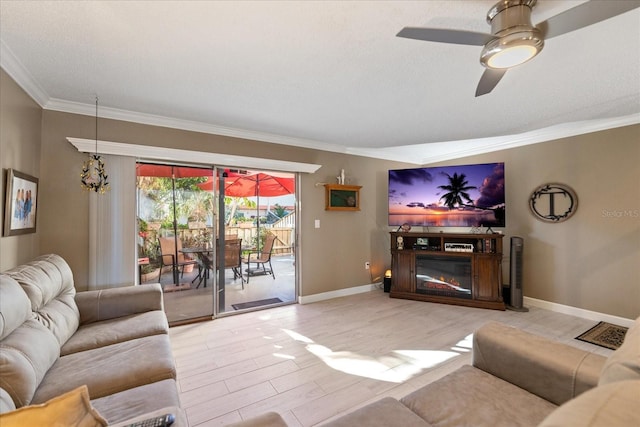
329 74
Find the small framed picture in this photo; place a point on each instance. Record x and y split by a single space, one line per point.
422 241
20 203
342 197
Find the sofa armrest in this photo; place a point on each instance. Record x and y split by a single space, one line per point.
117 302
554 371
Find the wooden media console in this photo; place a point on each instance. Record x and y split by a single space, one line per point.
451 268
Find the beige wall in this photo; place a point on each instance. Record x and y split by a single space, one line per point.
331 257
589 262
20 124
592 260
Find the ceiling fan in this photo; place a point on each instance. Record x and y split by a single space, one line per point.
513 39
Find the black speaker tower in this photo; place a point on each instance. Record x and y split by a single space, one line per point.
515 275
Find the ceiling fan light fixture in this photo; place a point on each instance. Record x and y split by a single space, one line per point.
516 39
513 39
511 57
511 50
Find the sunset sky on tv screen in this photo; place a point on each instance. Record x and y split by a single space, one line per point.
418 196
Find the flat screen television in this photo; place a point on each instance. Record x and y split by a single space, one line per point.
448 196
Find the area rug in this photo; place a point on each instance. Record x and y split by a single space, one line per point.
254 304
605 335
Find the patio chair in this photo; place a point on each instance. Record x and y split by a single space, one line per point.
168 255
232 260
260 258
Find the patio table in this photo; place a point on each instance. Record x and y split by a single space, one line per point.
203 265
205 262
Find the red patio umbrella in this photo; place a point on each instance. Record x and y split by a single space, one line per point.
257 184
168 171
210 184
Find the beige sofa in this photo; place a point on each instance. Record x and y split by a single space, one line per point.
516 379
54 340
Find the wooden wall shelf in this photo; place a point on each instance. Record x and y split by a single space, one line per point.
467 268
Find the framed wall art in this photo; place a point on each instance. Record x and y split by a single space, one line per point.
553 202
342 197
20 203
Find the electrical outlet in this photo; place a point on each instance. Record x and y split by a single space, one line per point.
367 265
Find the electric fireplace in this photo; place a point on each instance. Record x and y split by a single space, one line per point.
449 268
448 276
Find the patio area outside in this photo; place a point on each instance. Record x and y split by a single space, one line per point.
193 301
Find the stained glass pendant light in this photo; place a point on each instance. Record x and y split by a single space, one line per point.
94 175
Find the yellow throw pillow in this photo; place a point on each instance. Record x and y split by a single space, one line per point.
72 409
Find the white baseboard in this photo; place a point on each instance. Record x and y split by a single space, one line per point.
308 299
551 306
578 312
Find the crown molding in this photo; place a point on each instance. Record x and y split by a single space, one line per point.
188 125
414 154
174 155
18 72
441 151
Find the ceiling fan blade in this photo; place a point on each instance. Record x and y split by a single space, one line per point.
443 35
583 15
489 80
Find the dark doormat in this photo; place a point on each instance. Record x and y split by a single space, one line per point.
254 304
605 335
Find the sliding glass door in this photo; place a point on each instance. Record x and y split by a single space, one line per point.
219 241
175 237
257 211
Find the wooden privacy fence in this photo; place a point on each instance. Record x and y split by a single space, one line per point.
284 240
284 237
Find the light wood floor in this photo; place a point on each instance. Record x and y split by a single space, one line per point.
314 362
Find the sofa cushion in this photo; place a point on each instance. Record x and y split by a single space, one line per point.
69 409
26 355
130 403
470 396
6 402
609 405
48 283
624 363
112 331
110 369
385 412
554 371
15 307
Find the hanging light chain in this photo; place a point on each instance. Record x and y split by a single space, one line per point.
94 175
96 125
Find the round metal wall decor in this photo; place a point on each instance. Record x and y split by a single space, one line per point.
553 202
